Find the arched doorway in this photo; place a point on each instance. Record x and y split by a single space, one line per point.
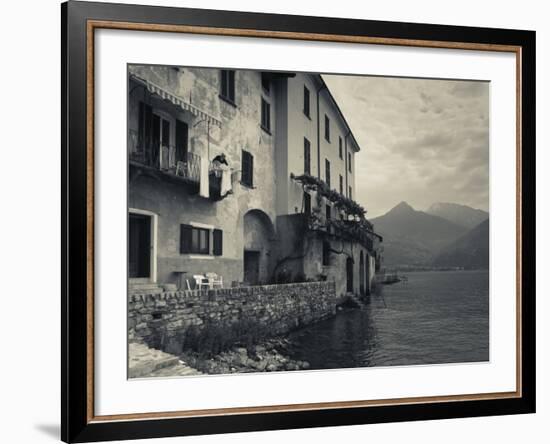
258 233
349 275
362 273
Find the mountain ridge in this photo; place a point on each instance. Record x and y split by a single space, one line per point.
459 214
412 237
418 238
469 251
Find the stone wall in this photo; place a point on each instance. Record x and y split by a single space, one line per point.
160 320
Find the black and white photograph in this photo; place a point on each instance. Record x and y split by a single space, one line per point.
287 221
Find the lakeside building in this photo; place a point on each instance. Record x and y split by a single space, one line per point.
246 174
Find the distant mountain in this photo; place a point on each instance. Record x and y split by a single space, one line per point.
469 251
462 215
413 237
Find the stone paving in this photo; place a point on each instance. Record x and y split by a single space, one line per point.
146 362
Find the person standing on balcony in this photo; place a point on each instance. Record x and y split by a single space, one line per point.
221 167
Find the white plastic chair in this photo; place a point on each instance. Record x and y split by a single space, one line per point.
200 281
214 280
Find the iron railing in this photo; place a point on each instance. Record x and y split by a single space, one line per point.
164 158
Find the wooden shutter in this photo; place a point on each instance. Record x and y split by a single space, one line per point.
251 170
247 168
186 233
306 101
218 242
223 83
231 85
307 156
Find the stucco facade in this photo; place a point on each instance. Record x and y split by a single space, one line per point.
191 215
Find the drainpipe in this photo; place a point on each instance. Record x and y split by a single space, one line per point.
319 134
346 191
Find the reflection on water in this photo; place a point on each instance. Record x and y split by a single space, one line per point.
438 317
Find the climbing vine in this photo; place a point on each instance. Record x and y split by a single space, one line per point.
349 206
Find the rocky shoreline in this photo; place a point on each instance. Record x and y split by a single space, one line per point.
268 356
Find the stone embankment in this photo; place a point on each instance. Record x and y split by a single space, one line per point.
161 320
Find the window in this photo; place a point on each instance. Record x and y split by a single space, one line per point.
307 156
306 101
247 167
307 203
349 162
194 240
340 150
327 128
328 211
227 87
266 116
350 195
327 172
341 185
326 253
265 82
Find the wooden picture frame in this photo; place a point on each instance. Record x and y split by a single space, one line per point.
79 22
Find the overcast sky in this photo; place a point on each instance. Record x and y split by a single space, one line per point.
422 141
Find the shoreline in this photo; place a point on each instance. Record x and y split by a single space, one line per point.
269 355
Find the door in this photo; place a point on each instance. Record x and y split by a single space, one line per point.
349 274
139 246
252 267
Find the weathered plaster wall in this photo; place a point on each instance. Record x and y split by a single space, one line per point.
240 130
300 126
161 320
303 254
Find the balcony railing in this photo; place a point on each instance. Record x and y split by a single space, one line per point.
165 161
165 158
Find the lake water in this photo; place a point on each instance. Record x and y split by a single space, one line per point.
435 318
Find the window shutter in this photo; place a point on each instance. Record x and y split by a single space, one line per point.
251 170
186 232
218 242
247 167
223 83
231 86
307 156
244 168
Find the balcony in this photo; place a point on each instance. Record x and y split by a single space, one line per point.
165 162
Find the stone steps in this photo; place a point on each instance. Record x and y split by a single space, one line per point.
146 362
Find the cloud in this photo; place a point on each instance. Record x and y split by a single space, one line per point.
422 140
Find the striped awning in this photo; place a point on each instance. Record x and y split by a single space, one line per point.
176 100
